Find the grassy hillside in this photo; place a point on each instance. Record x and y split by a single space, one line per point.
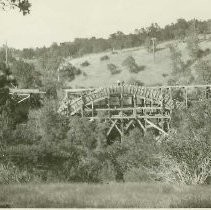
97 73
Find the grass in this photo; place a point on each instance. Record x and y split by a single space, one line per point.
113 195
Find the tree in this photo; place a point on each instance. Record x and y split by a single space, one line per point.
132 66
134 151
193 46
28 53
22 5
181 71
25 74
203 70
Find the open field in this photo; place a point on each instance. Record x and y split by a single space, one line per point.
105 195
97 73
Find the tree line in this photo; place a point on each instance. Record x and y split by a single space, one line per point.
119 40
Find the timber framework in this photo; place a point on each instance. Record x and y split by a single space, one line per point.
126 106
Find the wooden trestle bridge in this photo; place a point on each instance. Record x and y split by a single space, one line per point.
126 106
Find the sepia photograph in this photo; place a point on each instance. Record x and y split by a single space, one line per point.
105 104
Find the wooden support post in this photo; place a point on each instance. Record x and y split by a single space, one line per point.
82 108
207 92
122 121
134 105
186 97
109 112
163 101
170 96
92 109
144 105
142 126
120 132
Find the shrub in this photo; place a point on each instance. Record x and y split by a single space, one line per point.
137 175
104 58
186 153
11 174
201 53
113 68
68 71
85 63
131 64
165 75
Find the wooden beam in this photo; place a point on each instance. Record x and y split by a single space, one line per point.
120 132
156 127
110 129
128 109
27 96
25 91
129 124
114 117
142 126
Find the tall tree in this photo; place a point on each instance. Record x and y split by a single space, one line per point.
22 5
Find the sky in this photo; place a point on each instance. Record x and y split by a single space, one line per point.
63 20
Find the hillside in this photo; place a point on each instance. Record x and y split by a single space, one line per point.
97 73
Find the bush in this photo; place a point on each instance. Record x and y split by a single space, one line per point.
11 174
131 64
104 58
85 63
202 53
186 152
137 175
68 71
113 68
165 75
